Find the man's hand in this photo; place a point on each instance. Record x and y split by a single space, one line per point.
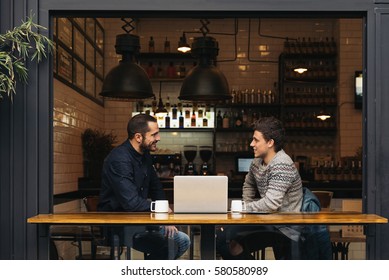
170 231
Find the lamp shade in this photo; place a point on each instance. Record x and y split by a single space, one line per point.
205 82
127 80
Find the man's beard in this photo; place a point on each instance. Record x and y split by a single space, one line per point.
147 147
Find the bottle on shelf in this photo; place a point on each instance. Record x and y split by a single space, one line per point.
166 46
346 172
238 120
359 174
167 121
326 171
160 73
154 104
339 172
245 118
167 104
187 112
205 122
171 71
226 120
219 120
318 172
193 119
181 120
151 45
150 70
174 112
182 70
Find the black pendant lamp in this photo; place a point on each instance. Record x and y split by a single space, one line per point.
127 81
205 82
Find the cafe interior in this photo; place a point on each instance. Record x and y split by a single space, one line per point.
304 70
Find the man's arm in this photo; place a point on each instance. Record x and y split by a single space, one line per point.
249 187
279 181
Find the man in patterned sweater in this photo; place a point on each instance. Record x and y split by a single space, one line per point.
274 176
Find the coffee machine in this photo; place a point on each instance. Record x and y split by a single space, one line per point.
205 155
190 153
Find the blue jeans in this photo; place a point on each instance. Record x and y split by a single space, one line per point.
155 244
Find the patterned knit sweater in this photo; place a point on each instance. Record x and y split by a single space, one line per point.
278 183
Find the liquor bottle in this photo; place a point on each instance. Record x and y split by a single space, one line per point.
167 121
245 118
200 113
167 105
154 104
346 172
174 112
219 120
150 70
193 119
151 44
238 120
326 171
359 174
182 70
339 172
318 172
187 112
167 46
159 70
226 120
181 120
354 171
205 122
171 71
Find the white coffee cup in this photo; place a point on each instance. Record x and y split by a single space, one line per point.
160 206
238 206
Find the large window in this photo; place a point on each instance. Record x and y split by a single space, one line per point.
79 58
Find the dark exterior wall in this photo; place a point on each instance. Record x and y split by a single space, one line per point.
26 129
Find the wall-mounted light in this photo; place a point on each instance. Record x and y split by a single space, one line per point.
127 81
183 45
323 115
300 69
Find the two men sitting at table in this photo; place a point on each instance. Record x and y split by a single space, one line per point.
129 178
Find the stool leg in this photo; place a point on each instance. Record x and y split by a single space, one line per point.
115 247
191 248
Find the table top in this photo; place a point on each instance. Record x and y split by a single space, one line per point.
100 218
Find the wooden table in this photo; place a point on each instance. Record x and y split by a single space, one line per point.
206 221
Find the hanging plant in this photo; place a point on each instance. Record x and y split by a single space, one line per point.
16 46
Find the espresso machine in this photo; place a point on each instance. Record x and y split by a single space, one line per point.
190 153
205 155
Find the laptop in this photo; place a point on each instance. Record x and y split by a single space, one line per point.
200 194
